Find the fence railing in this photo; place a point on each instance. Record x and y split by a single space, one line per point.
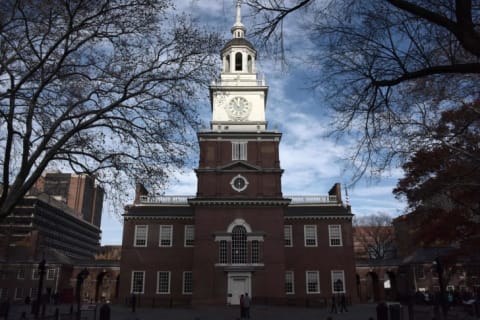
296 199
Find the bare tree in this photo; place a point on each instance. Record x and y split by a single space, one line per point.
387 67
374 235
106 87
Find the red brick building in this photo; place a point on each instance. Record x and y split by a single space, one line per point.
239 234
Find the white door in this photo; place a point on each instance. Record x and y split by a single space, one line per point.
238 284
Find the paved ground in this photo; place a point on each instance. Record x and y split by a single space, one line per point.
118 312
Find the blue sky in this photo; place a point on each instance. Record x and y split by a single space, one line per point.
312 162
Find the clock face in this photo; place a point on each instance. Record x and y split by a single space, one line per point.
238 108
239 183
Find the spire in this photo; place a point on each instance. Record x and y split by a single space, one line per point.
238 29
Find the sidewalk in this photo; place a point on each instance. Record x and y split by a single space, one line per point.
119 312
260 312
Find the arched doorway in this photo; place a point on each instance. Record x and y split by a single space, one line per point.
390 286
373 287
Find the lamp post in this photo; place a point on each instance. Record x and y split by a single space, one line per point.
439 268
41 273
82 275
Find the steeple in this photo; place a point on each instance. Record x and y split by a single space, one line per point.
238 29
239 98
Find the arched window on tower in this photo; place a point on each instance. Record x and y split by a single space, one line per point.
249 63
238 61
227 63
239 245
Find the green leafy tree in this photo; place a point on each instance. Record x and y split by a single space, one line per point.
388 68
106 87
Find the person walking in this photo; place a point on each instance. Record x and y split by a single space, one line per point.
343 303
242 306
333 308
246 305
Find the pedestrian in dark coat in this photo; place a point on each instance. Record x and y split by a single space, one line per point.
334 304
343 303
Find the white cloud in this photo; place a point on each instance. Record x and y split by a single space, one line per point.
312 162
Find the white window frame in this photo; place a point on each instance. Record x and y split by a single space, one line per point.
140 236
33 293
19 294
35 274
306 235
290 275
223 252
189 235
239 150
335 275
164 227
255 251
51 273
134 272
288 235
317 278
335 233
168 283
21 274
184 282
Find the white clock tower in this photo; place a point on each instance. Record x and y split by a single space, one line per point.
239 98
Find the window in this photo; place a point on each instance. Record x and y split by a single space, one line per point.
3 293
163 282
18 293
289 283
338 281
313 282
239 150
165 236
51 273
310 236
141 233
287 230
21 274
138 281
33 293
255 251
187 282
35 274
239 245
335 235
238 61
189 235
223 254
419 272
227 64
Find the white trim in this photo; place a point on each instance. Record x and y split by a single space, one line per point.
135 237
317 278
183 282
245 183
341 278
331 230
158 282
305 235
293 281
143 281
185 233
168 226
288 233
239 222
